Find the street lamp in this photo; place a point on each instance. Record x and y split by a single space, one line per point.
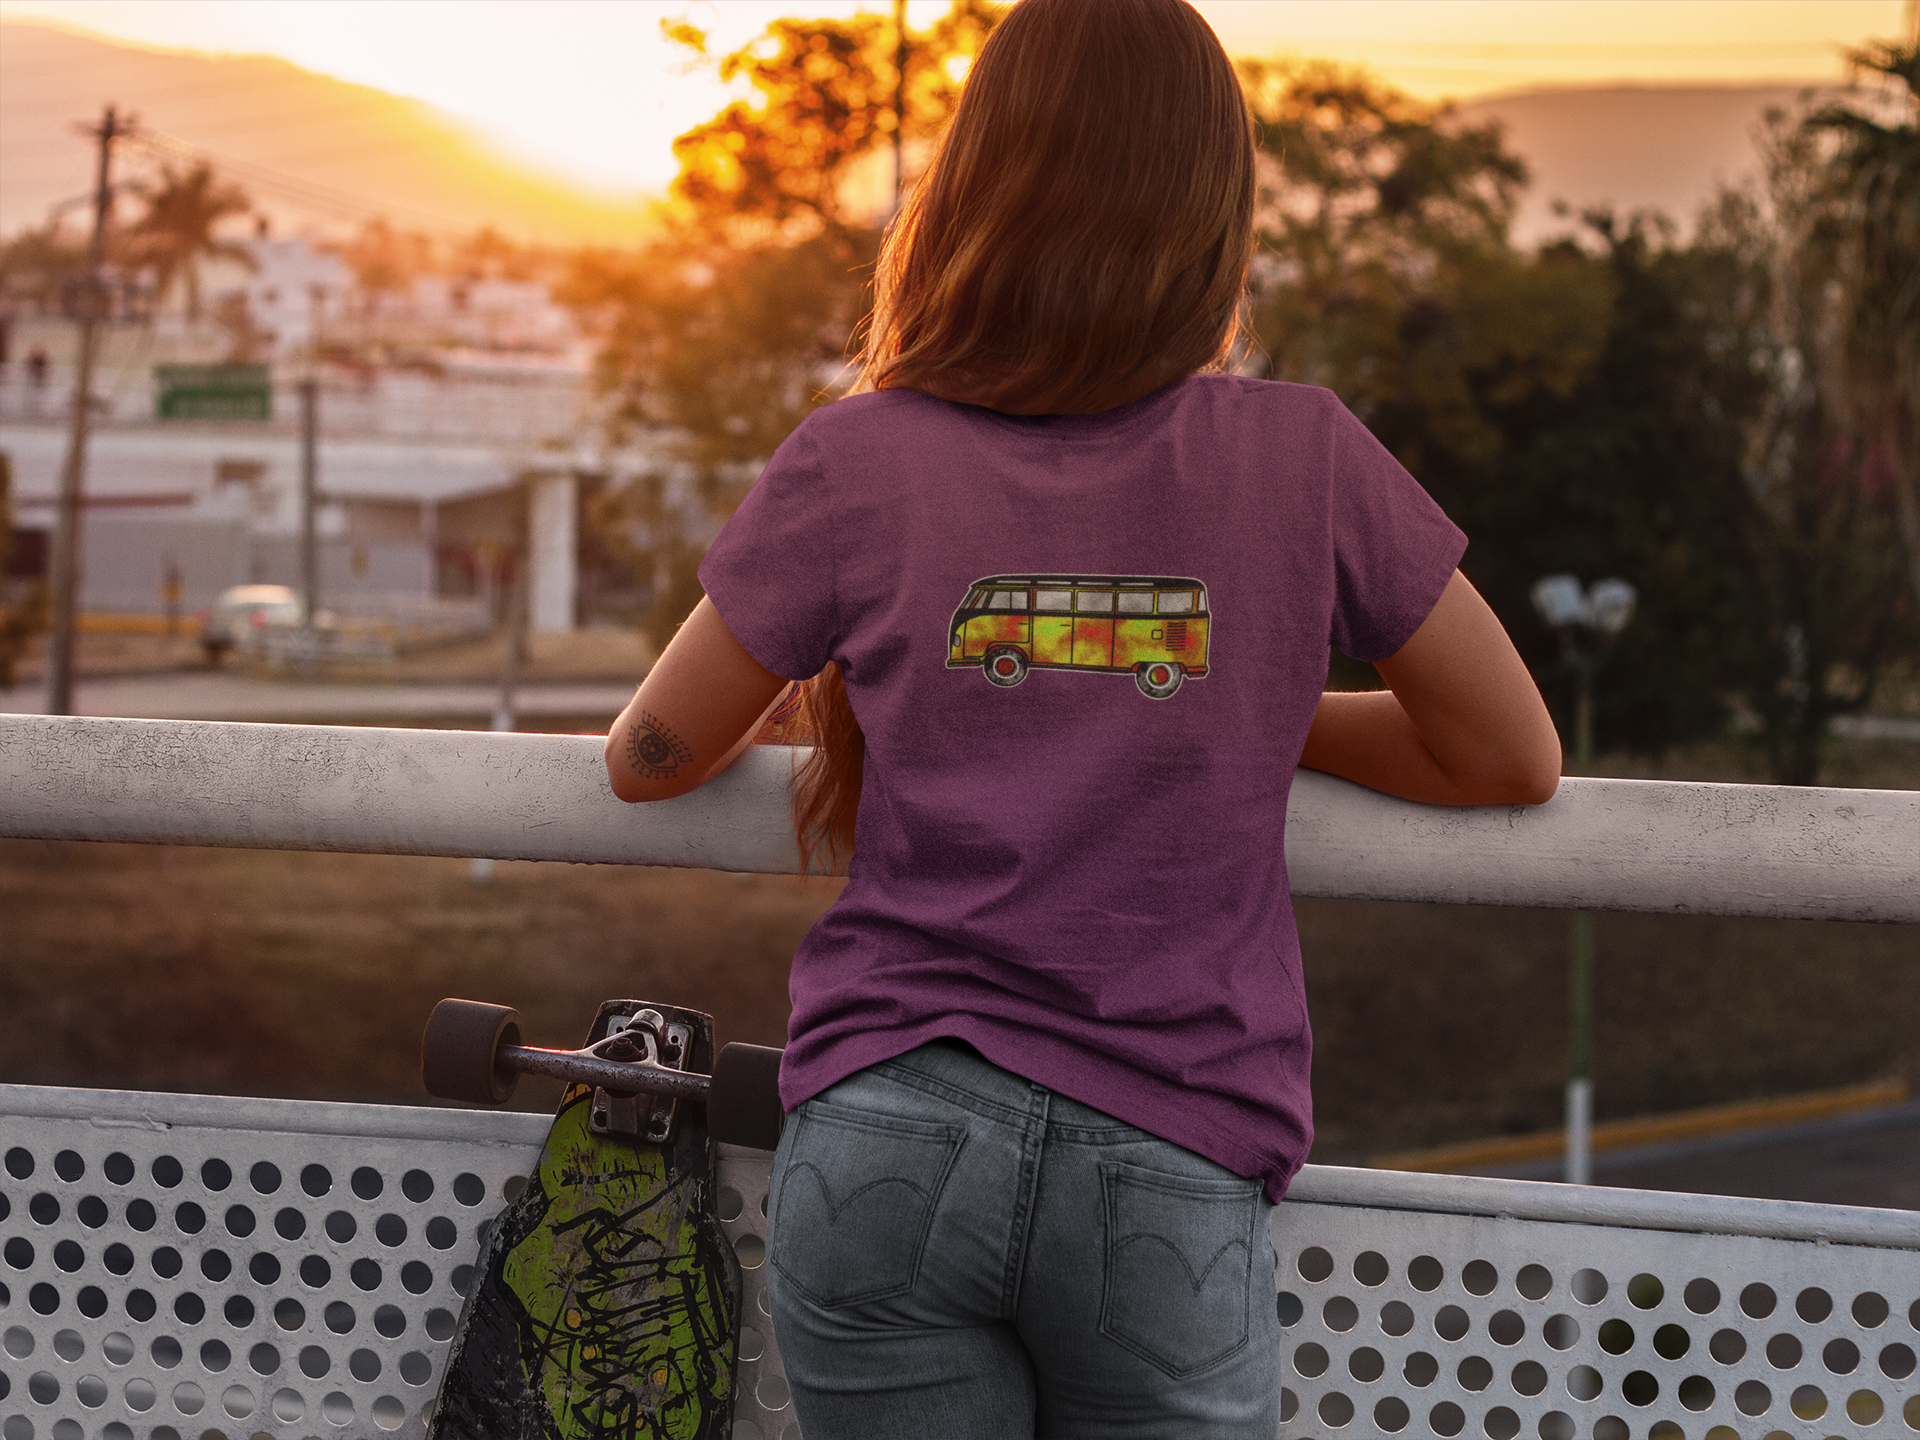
1587 621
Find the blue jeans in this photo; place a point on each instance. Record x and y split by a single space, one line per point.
958 1252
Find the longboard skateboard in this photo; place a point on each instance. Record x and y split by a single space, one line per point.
605 1300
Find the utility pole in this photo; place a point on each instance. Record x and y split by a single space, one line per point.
310 482
899 103
66 535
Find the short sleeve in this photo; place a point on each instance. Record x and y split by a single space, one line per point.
1394 549
770 573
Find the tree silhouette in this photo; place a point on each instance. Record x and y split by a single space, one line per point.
177 229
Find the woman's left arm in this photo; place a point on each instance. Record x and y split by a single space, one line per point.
698 708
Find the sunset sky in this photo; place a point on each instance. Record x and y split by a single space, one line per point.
589 86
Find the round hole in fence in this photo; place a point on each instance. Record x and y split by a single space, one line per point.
1640 1388
390 1321
167 1171
118 1348
1506 1328
341 1227
1910 1412
415 1368
1392 1415
365 1274
167 1262
1370 1268
1450 1322
1474 1374
239 1311
1702 1297
16 1427
1645 1291
18 1341
1314 1264
118 1259
1727 1346
1783 1352
1425 1273
43 1299
752 1251
92 1211
189 1308
215 1265
42 1388
1289 1403
1534 1282
69 1256
1447 1418
440 1323
1752 1398
1310 1360
215 1357
69 1166
390 1230
1501 1423
43 1209
1335 1410
216 1175
316 1180
511 1187
1808 1402
289 1314
1421 1369
1813 1304
1757 1301
1396 1317
1696 1392
441 1233
140 1215
1288 1306
1583 1382
416 1278
117 1167
1529 1377
388 1413
337 1408
19 1163
90 1391
1366 1364
1666 1430
462 1279
1864 1407
314 1362
263 1359
364 1366
139 1394
166 1352
1340 1314
1616 1337
91 1301
367 1183
189 1218
1670 1342
188 1398
240 1221
417 1186
140 1306
264 1177
772 1393
1556 1425
339 1317
1479 1277
19 1253
1611 1427
752 1343
237 1401
1589 1287
289 1223
1869 1310
1841 1357
468 1188
288 1405
1896 1362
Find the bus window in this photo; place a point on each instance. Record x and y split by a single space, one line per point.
1136 602
1053 600
1004 600
1093 602
1176 602
976 598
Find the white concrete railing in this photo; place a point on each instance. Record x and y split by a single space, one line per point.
1664 846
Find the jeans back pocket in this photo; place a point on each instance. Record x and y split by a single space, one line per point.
857 1194
1179 1265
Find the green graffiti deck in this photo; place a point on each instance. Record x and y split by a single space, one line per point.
605 1299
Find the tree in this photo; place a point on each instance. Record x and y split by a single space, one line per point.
176 231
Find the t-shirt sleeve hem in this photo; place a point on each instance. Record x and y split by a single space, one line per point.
1423 596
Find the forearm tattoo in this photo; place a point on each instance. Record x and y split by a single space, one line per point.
653 750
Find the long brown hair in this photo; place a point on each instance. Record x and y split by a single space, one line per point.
1080 239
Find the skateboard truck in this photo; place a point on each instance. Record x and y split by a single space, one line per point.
472 1052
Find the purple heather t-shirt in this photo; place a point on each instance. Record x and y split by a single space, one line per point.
1084 882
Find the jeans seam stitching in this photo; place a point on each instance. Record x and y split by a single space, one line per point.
965 1099
1032 1141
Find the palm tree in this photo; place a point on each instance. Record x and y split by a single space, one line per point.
176 231
1874 192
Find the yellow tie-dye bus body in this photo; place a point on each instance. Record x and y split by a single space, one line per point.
1153 628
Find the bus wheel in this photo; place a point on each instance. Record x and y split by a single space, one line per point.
1158 679
1005 668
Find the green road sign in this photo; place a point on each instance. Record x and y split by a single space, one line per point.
212 392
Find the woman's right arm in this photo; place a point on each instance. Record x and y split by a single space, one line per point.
1460 722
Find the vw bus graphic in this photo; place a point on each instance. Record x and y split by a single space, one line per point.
1153 628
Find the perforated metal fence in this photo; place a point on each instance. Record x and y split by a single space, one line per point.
190 1266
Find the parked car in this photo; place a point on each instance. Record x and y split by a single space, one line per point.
242 610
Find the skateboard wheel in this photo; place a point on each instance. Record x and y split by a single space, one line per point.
743 1107
458 1052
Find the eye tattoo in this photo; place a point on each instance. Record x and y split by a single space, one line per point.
654 750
